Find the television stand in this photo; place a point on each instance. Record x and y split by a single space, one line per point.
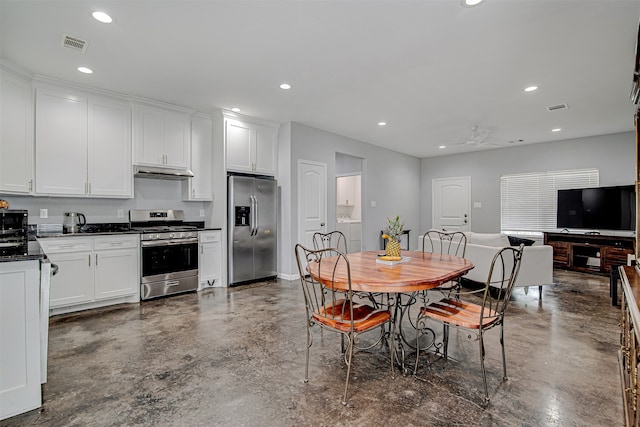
588 252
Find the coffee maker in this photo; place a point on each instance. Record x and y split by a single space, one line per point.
73 222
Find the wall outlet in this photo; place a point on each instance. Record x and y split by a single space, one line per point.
477 204
202 213
374 203
44 213
120 213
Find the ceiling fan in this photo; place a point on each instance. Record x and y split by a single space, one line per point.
477 137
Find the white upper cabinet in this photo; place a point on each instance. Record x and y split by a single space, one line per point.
250 147
199 188
266 150
83 144
240 141
16 130
109 148
161 136
61 143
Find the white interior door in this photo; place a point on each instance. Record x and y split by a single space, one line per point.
451 204
312 200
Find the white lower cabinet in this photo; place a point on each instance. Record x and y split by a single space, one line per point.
353 234
19 337
116 267
210 259
93 271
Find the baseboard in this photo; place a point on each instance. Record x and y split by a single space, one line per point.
288 276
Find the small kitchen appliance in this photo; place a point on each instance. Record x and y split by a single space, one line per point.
73 222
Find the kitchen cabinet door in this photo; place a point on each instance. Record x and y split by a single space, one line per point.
177 140
19 338
74 282
240 140
148 135
16 140
199 188
210 259
109 148
61 143
116 273
265 150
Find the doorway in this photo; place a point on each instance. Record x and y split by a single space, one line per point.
451 204
349 199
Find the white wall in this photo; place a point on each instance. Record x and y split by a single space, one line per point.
389 178
613 155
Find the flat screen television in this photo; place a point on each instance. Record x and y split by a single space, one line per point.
600 208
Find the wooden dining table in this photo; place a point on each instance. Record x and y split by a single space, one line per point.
399 282
425 270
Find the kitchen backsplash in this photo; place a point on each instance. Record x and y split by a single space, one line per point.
149 194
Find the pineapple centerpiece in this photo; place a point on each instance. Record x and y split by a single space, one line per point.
392 233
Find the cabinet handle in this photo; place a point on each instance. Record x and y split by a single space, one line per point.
193 192
96 260
30 185
89 256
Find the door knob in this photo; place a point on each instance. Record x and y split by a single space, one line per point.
322 224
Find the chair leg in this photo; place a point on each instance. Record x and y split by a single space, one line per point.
351 338
306 368
445 339
484 374
540 292
504 358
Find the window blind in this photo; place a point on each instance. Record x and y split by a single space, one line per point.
528 202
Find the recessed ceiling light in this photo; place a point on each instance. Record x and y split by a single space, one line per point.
102 17
442 146
382 123
236 110
285 86
556 130
85 70
531 88
470 3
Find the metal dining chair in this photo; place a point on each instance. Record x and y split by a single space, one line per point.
477 318
335 310
332 239
446 243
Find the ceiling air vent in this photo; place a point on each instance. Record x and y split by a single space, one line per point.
74 43
557 107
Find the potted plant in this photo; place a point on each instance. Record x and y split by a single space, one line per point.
392 233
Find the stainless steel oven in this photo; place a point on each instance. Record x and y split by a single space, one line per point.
14 237
169 253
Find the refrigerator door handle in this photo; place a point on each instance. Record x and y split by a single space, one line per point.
253 215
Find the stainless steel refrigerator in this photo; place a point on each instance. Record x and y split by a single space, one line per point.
252 228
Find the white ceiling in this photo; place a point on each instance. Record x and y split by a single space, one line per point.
430 69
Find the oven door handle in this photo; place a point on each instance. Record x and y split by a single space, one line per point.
153 243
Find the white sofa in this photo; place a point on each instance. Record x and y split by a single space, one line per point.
536 268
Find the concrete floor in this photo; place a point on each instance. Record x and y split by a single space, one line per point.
236 358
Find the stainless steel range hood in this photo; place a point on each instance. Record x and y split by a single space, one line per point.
161 173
